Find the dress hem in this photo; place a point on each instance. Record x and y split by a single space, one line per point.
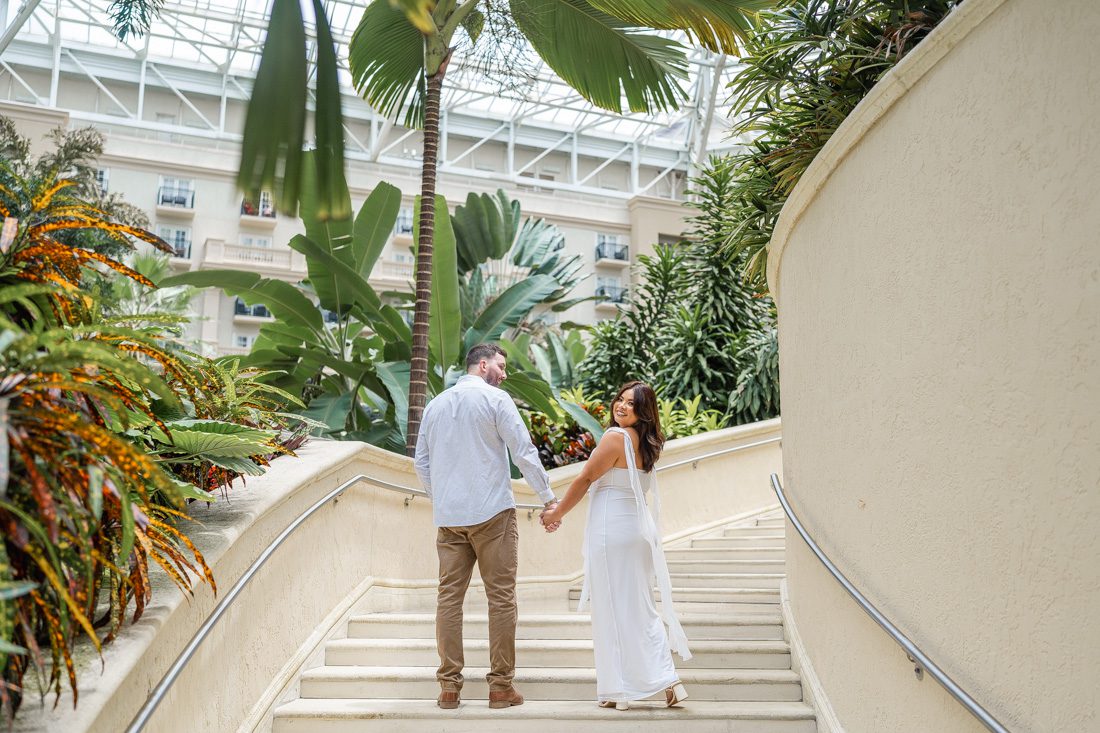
635 696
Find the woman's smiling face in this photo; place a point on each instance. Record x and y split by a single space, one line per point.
623 409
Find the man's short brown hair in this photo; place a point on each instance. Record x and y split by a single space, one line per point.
482 351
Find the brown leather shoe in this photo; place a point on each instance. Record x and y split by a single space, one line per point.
448 699
505 698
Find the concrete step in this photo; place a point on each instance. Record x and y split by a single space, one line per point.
773 540
539 683
746 654
563 626
774 522
726 580
724 553
535 716
751 531
713 600
692 564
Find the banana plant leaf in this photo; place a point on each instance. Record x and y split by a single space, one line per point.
445 315
510 309
373 226
485 229
530 390
285 302
332 410
583 418
395 376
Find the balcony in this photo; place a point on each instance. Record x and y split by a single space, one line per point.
249 312
174 201
182 249
390 275
278 261
616 255
610 296
258 215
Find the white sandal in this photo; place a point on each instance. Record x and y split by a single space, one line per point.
675 695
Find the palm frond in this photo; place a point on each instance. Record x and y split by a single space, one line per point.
603 57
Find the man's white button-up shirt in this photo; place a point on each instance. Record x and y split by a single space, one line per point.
462 453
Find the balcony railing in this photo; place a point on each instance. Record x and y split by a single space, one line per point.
258 310
265 210
608 251
402 270
611 293
182 249
262 255
182 198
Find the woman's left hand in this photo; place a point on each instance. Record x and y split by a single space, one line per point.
551 518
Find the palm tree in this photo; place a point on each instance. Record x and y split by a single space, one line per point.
398 58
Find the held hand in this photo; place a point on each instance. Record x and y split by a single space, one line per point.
551 518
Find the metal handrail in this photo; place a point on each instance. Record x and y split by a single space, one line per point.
157 695
915 655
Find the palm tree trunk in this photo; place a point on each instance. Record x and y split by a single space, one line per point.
418 369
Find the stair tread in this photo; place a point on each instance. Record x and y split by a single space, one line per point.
717 590
738 618
353 708
697 647
532 675
729 576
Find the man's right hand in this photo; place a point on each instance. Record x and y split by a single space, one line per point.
553 524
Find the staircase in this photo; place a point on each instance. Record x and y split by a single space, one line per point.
726 587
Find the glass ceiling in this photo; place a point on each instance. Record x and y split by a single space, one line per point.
505 82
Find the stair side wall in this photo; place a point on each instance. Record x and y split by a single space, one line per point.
938 281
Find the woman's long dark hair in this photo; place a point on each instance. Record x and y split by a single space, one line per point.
650 438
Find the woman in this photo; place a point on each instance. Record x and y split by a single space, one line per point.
621 556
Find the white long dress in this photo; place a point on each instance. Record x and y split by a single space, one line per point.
623 557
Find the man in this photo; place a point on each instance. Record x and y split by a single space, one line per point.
462 463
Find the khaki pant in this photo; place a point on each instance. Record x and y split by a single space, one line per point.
494 546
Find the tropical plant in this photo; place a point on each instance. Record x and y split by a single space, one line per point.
85 513
806 68
567 435
700 348
682 417
692 331
513 262
72 155
335 343
626 348
123 296
100 423
333 340
757 393
556 360
399 56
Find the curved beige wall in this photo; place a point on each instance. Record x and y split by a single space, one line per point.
938 281
368 551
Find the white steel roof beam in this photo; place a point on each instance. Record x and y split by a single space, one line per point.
606 163
21 17
182 97
4 65
99 85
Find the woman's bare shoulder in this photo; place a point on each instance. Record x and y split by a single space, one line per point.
613 438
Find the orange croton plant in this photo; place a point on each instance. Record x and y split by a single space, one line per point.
85 513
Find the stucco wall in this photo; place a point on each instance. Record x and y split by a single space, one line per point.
370 543
938 280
